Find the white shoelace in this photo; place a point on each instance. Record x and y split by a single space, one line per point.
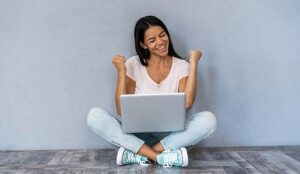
132 158
169 158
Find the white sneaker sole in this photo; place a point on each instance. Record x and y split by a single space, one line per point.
120 156
185 158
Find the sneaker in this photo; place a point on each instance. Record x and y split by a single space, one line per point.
177 157
127 157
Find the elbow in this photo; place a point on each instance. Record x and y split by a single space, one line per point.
188 105
189 101
119 112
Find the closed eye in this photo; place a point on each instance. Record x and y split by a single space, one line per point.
151 40
162 34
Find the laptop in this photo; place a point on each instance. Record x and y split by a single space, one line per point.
153 112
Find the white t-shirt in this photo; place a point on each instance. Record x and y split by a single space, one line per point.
145 85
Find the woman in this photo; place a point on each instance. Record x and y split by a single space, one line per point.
156 69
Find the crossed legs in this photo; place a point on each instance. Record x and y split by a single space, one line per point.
198 127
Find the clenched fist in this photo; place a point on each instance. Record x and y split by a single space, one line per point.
119 62
195 56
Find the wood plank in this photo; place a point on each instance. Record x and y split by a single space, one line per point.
260 163
248 167
282 161
15 158
293 153
202 160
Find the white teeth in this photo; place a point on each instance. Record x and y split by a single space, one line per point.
162 47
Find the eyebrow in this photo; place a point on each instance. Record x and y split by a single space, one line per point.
153 37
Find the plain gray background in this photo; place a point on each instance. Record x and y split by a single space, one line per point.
55 65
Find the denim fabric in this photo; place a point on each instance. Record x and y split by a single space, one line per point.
152 138
198 127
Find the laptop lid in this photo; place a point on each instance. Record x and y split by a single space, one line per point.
153 112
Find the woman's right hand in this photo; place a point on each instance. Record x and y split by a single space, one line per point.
119 62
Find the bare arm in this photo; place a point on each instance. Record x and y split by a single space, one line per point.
191 86
119 62
121 88
188 85
125 86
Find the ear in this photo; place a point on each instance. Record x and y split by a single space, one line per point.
143 45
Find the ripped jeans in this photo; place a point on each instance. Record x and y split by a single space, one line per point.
198 127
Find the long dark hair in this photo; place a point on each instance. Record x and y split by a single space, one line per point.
141 26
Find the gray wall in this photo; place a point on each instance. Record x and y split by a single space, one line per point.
55 64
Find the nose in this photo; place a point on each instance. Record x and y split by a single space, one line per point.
160 41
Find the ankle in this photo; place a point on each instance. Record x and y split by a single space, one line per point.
153 157
158 148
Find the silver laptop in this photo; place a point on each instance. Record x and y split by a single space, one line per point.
153 112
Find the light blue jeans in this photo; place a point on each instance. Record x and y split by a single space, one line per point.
198 127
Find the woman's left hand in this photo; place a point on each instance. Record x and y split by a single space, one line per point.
195 56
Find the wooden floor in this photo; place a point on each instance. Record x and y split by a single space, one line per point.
278 160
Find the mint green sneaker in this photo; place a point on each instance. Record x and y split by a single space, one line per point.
125 156
177 157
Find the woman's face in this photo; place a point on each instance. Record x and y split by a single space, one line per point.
156 41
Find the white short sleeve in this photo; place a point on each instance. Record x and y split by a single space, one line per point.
132 68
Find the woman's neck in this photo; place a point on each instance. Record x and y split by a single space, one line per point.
157 61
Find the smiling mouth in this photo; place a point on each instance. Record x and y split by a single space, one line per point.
162 48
